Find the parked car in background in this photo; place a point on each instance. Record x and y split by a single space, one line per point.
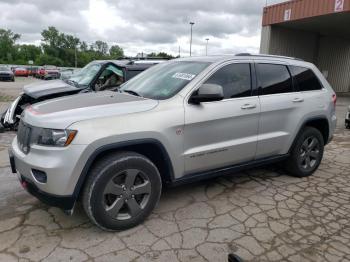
21 71
66 73
96 76
32 70
48 72
178 122
39 72
6 74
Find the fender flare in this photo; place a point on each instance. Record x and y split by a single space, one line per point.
304 123
116 146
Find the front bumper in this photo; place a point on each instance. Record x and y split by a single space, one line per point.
61 166
6 78
64 202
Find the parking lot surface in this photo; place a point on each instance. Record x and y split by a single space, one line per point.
261 214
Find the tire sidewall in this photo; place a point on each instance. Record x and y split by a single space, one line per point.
95 193
308 132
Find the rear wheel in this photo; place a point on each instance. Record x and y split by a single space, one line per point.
307 153
121 191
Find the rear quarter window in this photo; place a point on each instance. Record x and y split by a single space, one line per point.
274 79
305 79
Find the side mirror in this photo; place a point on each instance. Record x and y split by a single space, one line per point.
207 93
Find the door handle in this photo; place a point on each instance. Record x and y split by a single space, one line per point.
248 106
298 100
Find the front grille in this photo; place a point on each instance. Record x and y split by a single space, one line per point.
4 74
23 137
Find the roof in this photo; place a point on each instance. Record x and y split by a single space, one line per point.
302 9
242 56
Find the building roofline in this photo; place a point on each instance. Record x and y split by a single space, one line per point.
301 9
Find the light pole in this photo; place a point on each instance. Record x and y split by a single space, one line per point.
75 56
206 46
191 23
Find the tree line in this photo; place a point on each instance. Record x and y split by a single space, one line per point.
58 49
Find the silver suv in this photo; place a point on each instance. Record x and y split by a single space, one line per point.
180 121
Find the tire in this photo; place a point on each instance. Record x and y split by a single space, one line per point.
306 154
112 196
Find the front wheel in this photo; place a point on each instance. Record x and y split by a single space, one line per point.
121 191
307 153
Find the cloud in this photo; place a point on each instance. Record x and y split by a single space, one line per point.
143 26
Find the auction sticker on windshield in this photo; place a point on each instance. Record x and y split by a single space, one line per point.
183 76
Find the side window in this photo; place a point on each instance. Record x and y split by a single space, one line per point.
305 79
131 73
274 79
235 80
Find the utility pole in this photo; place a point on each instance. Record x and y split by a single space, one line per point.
206 46
179 52
191 23
75 56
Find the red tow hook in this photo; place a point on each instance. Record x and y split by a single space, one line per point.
24 184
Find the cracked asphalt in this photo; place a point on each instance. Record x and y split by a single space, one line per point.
261 214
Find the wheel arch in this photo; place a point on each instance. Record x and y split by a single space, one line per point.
151 148
321 123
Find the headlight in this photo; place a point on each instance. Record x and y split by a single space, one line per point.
55 137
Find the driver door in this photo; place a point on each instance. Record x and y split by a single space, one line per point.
223 133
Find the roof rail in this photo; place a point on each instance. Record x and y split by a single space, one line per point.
243 54
265 55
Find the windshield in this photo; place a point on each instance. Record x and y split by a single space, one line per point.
85 75
164 80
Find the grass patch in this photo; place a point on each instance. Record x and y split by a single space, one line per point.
6 98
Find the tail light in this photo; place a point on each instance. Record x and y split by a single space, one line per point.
334 99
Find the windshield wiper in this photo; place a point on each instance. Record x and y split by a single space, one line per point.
132 92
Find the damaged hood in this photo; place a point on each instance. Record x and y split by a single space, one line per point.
46 88
61 112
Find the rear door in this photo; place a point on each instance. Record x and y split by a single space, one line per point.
314 94
281 109
223 133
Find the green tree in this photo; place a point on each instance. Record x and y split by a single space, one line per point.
7 45
83 47
101 47
59 45
160 55
45 59
27 52
57 48
52 37
116 52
